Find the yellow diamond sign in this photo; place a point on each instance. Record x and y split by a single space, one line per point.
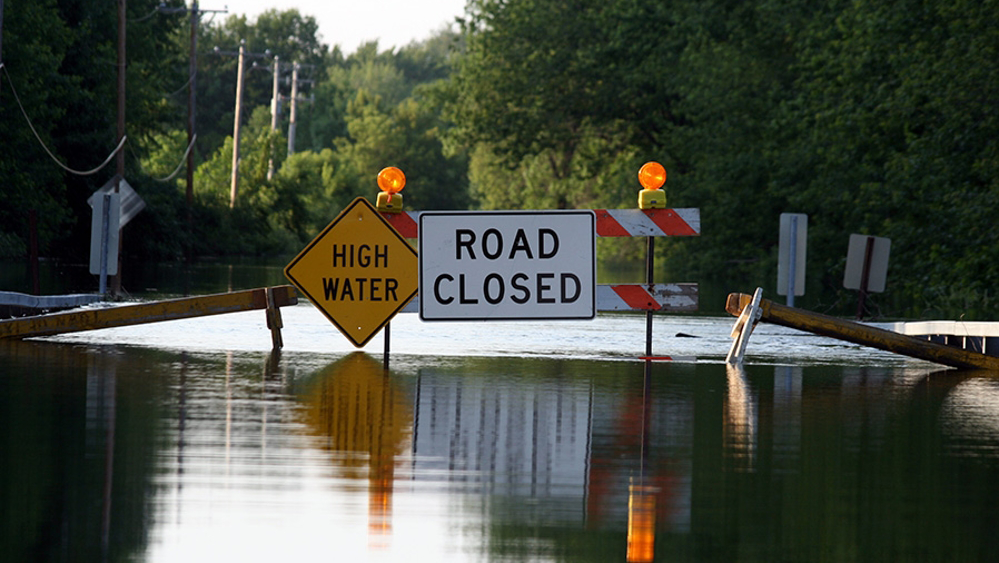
359 272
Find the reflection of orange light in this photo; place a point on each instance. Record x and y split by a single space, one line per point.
380 512
641 524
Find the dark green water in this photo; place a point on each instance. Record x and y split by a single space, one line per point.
125 453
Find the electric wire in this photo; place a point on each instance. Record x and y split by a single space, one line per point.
146 17
180 165
17 98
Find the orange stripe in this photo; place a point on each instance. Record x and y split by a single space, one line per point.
636 297
608 226
403 223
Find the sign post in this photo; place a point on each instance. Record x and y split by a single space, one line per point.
507 265
866 267
791 255
358 271
104 227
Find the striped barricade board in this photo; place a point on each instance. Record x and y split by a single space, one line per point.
684 222
666 298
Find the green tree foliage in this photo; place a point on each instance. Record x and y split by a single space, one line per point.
61 56
871 117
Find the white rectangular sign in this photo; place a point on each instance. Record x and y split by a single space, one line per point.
791 267
507 265
877 260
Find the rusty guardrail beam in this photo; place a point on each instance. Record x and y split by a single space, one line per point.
156 311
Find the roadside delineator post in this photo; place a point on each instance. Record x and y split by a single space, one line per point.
743 329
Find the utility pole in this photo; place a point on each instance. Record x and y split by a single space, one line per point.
294 109
241 70
294 105
275 109
120 157
234 185
1 39
192 92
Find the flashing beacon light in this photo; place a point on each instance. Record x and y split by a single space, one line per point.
652 176
391 181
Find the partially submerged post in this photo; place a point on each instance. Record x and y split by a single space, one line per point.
862 334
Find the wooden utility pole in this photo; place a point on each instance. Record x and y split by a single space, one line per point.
120 157
234 186
294 109
275 109
192 93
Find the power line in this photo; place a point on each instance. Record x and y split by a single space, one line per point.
179 165
42 143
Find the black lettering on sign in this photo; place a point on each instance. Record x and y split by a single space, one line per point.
464 238
525 293
363 256
360 289
498 244
543 287
461 292
578 288
520 244
492 244
553 237
437 289
493 298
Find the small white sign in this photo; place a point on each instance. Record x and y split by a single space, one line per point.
131 202
791 267
507 265
872 252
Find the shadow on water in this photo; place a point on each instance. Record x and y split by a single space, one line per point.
114 453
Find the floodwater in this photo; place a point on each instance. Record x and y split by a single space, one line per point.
509 441
191 441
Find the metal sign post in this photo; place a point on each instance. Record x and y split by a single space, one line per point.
104 227
791 255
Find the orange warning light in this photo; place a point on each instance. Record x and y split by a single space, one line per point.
651 175
391 180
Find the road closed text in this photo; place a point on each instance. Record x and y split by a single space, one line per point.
507 265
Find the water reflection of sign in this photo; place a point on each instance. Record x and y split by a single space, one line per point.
367 419
507 265
359 272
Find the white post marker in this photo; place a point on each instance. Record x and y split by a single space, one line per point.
743 329
507 265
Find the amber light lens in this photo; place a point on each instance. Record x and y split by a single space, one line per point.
391 180
652 175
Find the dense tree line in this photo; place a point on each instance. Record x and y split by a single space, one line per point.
871 117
